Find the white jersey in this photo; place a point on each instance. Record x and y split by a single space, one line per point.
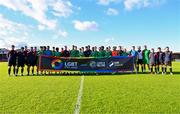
140 54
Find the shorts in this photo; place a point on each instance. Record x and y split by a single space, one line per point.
152 64
140 61
159 63
20 64
12 63
168 63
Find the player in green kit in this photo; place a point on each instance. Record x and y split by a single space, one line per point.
53 51
76 52
81 52
73 52
57 53
94 52
146 53
125 53
102 52
108 52
39 53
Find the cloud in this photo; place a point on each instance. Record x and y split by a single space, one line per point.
85 25
138 4
62 8
107 2
12 33
108 40
37 9
112 11
62 33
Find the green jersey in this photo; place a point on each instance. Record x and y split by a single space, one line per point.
102 53
108 54
146 56
57 54
94 54
53 53
125 54
74 53
81 54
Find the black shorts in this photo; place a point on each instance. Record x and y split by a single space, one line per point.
159 63
21 64
168 63
152 63
140 61
12 63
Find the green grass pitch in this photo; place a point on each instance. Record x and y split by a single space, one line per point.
111 94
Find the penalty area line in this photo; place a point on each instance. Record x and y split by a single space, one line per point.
79 98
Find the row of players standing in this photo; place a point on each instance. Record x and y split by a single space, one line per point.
142 58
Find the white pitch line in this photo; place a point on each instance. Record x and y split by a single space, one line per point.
79 98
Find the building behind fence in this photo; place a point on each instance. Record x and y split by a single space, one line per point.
3 54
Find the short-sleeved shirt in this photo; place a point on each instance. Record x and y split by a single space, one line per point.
31 57
159 57
48 52
146 53
12 56
94 54
102 53
108 54
66 53
57 54
168 56
152 58
121 52
21 57
125 54
140 54
87 53
114 53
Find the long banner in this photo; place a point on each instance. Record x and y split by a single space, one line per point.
83 64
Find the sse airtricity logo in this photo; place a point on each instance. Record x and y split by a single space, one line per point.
57 64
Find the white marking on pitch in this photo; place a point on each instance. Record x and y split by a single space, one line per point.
79 98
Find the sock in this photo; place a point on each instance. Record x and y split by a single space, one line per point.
137 68
151 70
28 70
170 70
162 69
157 68
32 70
142 68
9 70
14 70
17 71
165 69
22 71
